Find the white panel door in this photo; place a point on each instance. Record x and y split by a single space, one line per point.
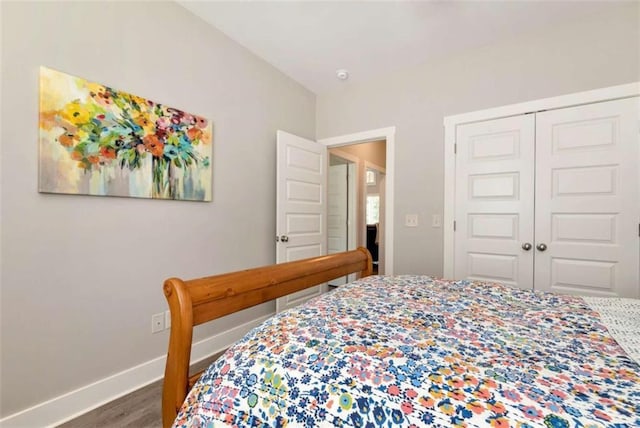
494 201
337 212
587 199
300 207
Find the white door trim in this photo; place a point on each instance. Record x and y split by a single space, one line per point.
387 134
562 101
450 123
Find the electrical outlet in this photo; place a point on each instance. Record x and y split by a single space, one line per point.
167 320
157 322
411 220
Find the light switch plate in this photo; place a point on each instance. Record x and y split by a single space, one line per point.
157 322
411 220
436 220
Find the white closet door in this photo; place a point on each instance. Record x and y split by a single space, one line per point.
587 199
494 200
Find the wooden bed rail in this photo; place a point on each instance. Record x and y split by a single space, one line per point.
196 301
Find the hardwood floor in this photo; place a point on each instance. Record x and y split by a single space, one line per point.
140 409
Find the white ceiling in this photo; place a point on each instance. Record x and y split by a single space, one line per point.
310 40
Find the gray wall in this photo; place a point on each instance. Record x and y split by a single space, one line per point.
82 275
599 52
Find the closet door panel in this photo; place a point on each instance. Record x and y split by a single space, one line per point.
587 202
494 193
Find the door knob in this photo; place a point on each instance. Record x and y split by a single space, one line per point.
284 238
526 246
541 247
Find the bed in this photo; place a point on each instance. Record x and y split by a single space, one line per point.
403 351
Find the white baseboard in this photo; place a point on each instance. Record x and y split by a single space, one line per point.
75 403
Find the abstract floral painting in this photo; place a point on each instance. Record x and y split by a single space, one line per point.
95 140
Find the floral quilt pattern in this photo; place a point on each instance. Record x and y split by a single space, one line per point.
415 351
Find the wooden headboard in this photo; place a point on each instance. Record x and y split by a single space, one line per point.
196 301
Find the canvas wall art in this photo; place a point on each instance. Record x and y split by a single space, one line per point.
95 140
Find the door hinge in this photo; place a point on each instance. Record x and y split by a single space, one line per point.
454 225
455 148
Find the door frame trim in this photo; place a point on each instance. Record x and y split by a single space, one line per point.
387 134
451 123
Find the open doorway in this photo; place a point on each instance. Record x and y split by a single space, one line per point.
367 197
301 200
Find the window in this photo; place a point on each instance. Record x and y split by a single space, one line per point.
371 177
373 209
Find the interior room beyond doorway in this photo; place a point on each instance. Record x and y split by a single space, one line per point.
356 204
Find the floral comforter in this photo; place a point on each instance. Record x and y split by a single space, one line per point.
416 351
